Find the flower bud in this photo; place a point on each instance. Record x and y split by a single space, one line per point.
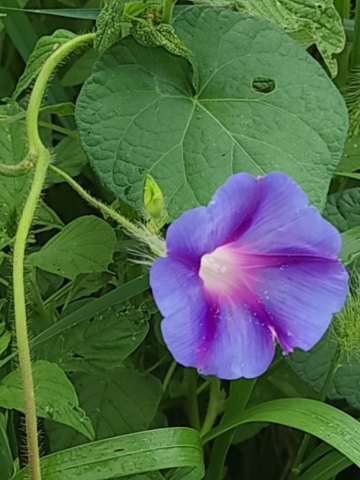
154 203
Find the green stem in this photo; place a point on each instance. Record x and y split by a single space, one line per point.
57 296
343 7
214 408
240 392
297 467
41 156
192 401
168 8
203 387
169 375
46 318
42 81
57 128
110 213
20 313
18 170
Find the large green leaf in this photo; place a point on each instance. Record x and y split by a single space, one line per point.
56 398
85 245
308 21
257 102
331 425
100 342
118 402
126 455
343 209
313 366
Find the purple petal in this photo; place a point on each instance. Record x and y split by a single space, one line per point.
178 292
301 300
201 230
284 224
222 339
239 342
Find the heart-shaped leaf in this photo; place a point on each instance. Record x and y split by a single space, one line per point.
257 102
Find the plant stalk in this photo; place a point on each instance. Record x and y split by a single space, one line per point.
168 8
110 213
41 156
240 392
215 405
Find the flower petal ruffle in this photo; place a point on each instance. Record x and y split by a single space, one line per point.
179 295
301 299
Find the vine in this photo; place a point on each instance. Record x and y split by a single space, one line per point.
40 156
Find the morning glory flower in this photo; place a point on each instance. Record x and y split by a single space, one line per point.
255 267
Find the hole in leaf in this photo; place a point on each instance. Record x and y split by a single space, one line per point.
78 356
119 450
142 171
127 190
263 84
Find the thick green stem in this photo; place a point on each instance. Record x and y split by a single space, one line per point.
18 170
215 405
20 313
107 211
192 401
169 375
57 128
168 10
40 155
240 392
297 467
42 81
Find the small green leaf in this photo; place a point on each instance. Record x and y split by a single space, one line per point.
159 35
69 157
343 209
56 398
100 342
45 216
350 161
118 402
85 245
350 245
109 24
126 455
45 46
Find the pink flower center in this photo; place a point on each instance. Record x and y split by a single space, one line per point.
221 270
